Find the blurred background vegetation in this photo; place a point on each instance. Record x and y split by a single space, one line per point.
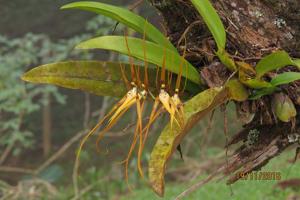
41 125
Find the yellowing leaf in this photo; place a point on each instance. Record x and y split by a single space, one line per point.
226 60
97 77
246 71
194 110
247 75
100 78
236 90
256 83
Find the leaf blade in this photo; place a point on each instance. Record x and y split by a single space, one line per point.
273 61
124 16
194 109
155 53
285 78
96 77
262 92
89 76
212 20
236 90
256 83
297 62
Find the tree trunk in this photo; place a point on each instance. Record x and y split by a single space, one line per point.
254 29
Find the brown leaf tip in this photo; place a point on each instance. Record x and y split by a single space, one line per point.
159 189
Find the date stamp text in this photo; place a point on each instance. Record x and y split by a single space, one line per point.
260 176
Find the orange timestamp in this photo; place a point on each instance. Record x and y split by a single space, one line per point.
260 176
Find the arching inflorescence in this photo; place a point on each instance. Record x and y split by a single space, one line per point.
167 99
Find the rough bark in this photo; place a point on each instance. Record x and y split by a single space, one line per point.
254 28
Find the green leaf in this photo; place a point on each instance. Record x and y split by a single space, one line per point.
285 78
212 20
97 77
297 62
194 110
126 17
262 92
155 54
256 83
280 79
274 61
216 27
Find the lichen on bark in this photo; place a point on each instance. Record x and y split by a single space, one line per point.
254 29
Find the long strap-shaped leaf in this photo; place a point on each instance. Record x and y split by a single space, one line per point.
126 17
216 27
194 109
212 20
155 53
97 77
100 78
274 61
